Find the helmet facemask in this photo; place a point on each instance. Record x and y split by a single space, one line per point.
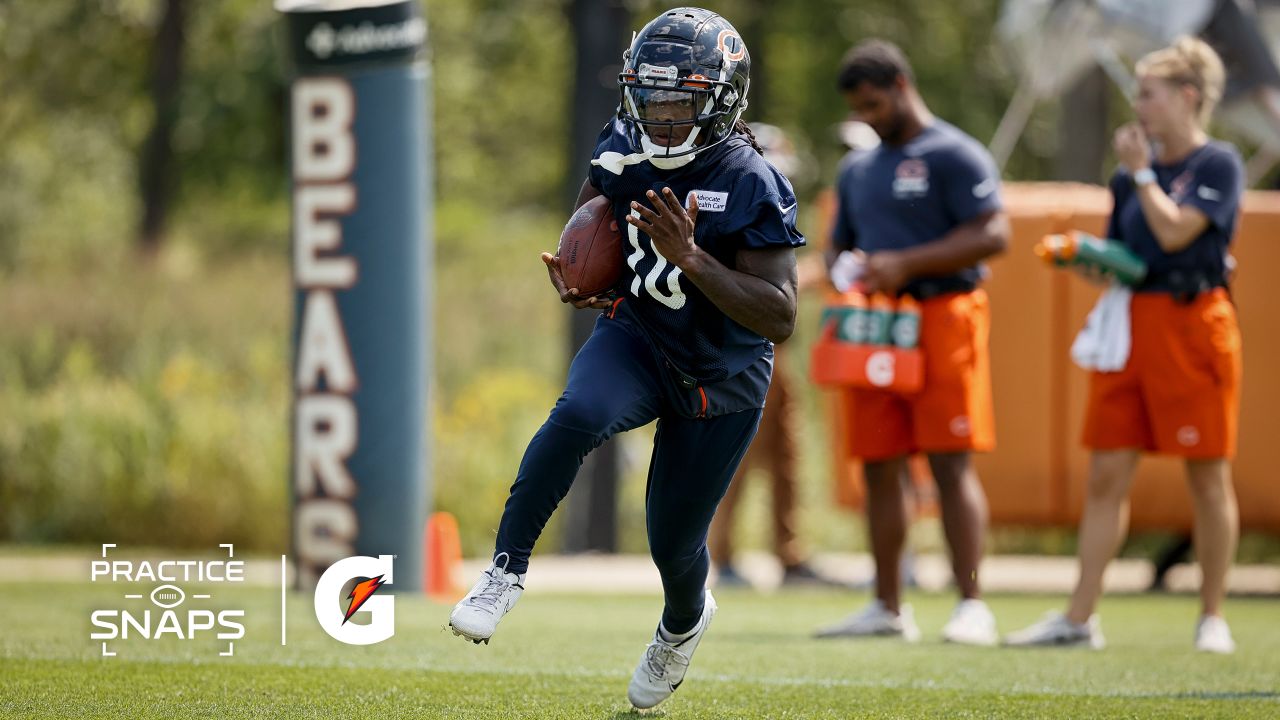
667 119
676 113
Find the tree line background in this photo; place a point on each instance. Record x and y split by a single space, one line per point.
144 278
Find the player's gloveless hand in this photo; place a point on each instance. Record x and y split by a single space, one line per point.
570 295
669 225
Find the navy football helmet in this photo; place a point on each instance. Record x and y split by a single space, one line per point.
683 85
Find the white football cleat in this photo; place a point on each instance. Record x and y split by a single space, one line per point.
971 623
875 620
476 616
1213 635
1056 630
664 664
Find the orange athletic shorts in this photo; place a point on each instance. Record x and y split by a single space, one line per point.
1179 394
953 410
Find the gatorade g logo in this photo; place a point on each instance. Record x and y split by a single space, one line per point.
880 368
333 611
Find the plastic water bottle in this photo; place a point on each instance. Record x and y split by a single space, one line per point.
1109 256
853 320
906 323
879 320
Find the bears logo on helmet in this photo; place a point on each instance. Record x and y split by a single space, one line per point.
684 86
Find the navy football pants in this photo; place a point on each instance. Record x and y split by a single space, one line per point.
615 385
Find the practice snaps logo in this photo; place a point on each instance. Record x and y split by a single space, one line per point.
334 610
161 613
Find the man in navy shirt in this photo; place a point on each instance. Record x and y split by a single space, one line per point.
708 285
923 211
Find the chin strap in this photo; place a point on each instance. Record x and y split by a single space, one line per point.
616 162
672 163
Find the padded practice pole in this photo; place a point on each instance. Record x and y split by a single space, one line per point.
361 255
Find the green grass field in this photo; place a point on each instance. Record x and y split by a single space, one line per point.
570 656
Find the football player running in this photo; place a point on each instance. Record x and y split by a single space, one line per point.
686 338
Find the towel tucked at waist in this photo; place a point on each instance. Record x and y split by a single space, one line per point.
1104 342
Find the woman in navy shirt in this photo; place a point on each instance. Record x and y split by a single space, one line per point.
1179 391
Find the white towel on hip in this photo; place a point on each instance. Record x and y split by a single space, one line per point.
1104 342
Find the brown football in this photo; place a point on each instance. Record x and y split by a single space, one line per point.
591 249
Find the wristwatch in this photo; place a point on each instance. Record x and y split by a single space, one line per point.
1145 176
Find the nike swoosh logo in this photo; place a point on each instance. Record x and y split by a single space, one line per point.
787 208
984 188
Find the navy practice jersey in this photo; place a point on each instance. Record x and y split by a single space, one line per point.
743 202
899 196
1211 180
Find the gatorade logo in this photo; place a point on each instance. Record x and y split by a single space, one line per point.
855 327
381 610
880 368
905 331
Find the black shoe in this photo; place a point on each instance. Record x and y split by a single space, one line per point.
727 577
803 575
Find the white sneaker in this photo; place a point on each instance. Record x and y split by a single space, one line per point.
664 664
476 616
1056 630
875 620
971 623
1213 635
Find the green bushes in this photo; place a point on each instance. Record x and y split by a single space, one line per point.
154 412
479 438
148 401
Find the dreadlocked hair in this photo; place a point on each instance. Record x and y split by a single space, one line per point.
742 127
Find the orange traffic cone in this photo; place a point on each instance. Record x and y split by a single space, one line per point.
442 557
